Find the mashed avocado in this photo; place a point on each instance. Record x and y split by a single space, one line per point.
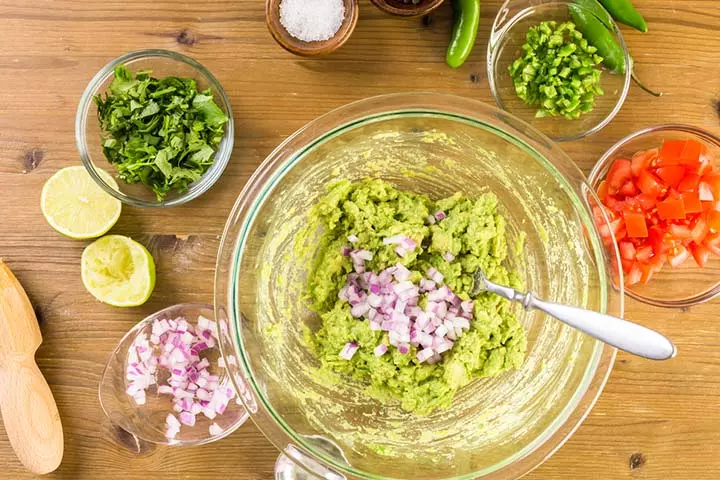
472 234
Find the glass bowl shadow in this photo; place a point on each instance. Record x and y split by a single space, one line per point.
505 45
88 135
498 428
688 284
147 422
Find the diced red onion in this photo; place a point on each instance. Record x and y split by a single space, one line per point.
380 350
440 215
431 219
348 351
401 273
467 306
345 251
175 346
434 275
352 238
425 354
401 251
403 349
449 257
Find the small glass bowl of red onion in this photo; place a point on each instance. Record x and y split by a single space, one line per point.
166 382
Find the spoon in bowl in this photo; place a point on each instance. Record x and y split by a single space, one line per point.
619 333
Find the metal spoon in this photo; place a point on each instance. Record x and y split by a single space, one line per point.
619 333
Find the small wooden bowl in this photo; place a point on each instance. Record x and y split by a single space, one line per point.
309 49
398 7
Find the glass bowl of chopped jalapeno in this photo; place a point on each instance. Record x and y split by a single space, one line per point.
560 66
160 122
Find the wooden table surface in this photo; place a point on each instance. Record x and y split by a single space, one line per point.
654 420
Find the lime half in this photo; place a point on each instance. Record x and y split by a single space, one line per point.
118 271
74 205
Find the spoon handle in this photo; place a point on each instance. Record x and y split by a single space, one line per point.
619 333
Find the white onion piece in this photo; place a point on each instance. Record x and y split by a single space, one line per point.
352 238
215 429
449 257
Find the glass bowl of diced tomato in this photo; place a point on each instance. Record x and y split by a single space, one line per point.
660 190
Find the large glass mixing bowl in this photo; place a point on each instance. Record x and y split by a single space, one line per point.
435 144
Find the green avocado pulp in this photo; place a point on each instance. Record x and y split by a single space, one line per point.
473 232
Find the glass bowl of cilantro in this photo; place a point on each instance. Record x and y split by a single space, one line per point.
160 123
545 66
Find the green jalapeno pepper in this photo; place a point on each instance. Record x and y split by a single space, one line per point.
624 12
465 28
593 28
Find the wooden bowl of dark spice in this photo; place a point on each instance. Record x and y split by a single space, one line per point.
407 8
311 27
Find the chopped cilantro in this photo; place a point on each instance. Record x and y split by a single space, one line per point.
162 133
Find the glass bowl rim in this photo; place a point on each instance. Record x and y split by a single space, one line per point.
132 333
273 168
595 177
497 34
222 156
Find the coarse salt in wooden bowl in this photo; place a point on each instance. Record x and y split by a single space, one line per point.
398 7
314 48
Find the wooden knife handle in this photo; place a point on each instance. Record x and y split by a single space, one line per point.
30 415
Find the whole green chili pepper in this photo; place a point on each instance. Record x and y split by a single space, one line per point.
593 28
624 12
599 37
465 27
597 10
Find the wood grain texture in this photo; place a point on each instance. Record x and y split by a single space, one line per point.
654 421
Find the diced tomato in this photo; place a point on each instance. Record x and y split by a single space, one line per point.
647 273
678 255
670 152
626 265
621 233
713 182
680 231
713 220
646 202
649 184
691 202
712 242
619 173
671 208
672 174
658 261
633 275
608 231
663 206
699 231
660 240
629 189
644 253
602 190
642 161
635 224
627 251
689 183
614 204
691 152
701 254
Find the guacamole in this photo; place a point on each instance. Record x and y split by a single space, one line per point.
373 229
